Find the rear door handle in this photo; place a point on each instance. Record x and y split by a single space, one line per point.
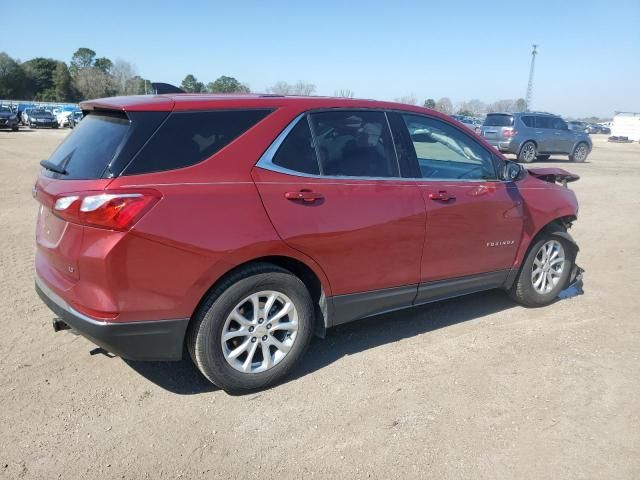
442 195
304 196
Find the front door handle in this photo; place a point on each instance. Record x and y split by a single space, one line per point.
304 196
442 195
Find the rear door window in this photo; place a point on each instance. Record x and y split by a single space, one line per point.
498 120
91 146
528 121
544 122
187 138
354 144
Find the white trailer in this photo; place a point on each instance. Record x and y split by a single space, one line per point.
626 124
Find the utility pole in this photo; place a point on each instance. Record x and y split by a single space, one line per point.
534 52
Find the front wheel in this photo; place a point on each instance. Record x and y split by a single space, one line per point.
253 329
527 153
580 153
545 271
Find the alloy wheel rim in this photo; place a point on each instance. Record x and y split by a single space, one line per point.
529 152
547 268
260 331
580 153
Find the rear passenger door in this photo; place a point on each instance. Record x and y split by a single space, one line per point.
336 195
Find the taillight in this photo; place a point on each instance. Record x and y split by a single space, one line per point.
508 132
111 210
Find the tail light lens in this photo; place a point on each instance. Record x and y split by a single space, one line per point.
110 210
508 132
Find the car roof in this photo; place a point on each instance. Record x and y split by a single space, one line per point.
199 101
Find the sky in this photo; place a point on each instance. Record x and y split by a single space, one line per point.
588 61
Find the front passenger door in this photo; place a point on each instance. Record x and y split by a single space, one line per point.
474 220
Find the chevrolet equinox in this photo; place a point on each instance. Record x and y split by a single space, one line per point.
235 227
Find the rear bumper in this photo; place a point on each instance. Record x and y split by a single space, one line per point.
152 340
503 146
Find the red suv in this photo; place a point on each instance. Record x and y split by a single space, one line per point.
235 227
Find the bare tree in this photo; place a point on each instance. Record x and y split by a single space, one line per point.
122 72
444 105
300 88
505 105
344 93
410 99
280 88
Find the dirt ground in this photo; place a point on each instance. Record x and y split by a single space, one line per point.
476 387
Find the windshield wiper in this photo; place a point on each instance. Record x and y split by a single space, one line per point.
53 167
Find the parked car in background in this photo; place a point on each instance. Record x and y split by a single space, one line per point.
595 129
74 119
234 228
578 126
8 119
63 118
38 118
535 135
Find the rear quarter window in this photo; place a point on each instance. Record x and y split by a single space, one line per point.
187 138
528 121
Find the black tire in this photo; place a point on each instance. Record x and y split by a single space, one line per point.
528 152
577 155
55 127
543 158
32 125
204 335
14 129
523 290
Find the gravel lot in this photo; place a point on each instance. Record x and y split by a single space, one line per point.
476 387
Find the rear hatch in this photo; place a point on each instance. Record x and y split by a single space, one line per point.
95 152
496 125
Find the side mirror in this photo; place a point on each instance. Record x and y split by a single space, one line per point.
512 171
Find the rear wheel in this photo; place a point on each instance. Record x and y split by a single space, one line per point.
545 271
252 329
580 153
527 152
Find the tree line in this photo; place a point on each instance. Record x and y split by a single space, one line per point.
88 76
470 108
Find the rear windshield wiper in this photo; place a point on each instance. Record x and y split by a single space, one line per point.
53 167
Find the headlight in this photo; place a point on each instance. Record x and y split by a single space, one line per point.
13 117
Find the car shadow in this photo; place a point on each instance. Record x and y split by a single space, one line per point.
183 378
356 337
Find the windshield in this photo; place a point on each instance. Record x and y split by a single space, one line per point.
39 112
87 152
5 110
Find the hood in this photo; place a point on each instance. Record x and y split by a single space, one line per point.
6 114
553 175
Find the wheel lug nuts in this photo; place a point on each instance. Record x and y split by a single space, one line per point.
264 337
268 325
251 329
260 321
254 340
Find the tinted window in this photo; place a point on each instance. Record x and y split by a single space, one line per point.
88 150
498 120
297 151
354 144
444 152
559 124
187 138
544 122
528 121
